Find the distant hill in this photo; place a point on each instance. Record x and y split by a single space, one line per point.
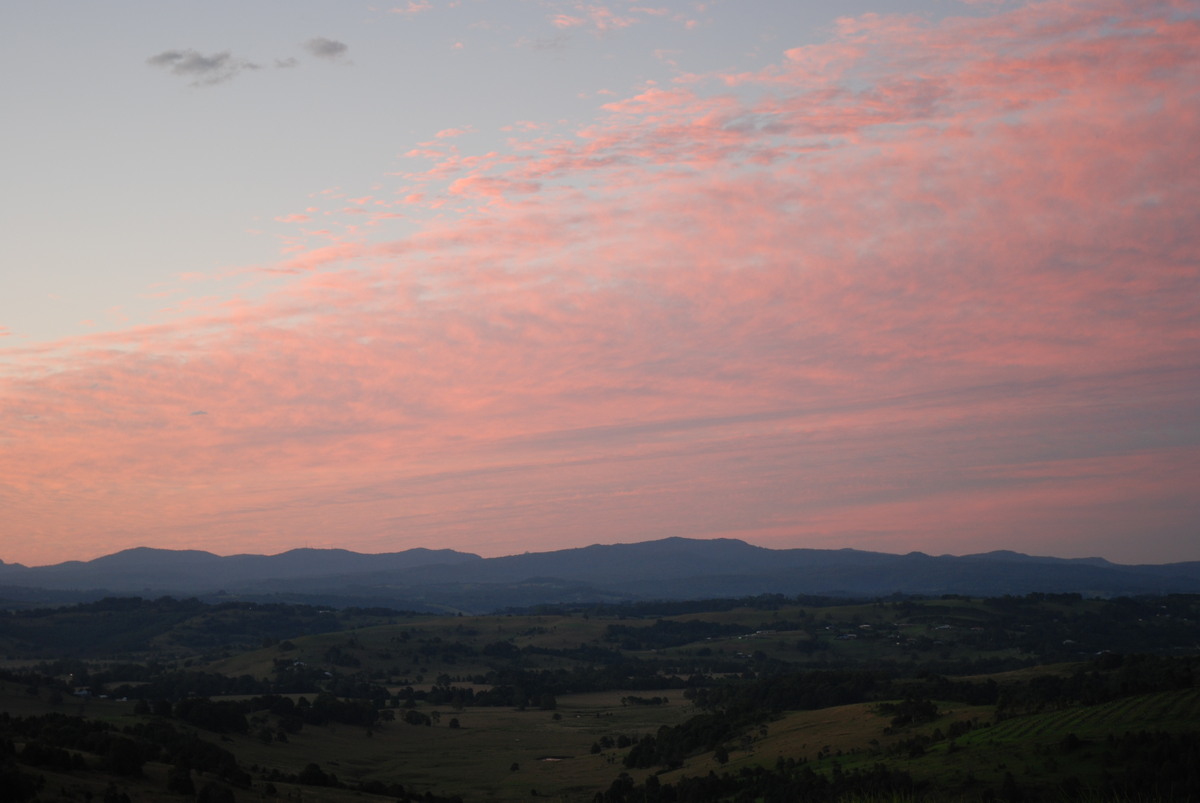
672 568
193 571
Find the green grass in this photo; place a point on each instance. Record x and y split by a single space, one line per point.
1161 711
1029 747
474 760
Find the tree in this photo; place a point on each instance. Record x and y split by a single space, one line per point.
124 757
213 792
179 780
313 775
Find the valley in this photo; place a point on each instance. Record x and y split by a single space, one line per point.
1044 696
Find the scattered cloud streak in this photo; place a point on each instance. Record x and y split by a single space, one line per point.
329 49
412 7
221 67
919 286
204 70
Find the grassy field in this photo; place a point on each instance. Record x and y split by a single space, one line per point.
494 754
552 753
1036 748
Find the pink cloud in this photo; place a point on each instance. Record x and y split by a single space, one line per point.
424 153
491 186
600 18
926 286
524 125
567 21
318 258
604 19
412 7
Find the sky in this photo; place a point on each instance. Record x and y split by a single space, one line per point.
521 275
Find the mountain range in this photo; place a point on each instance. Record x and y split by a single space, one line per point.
672 568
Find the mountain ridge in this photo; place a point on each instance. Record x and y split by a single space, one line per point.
669 568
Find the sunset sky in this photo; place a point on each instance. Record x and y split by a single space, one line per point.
519 275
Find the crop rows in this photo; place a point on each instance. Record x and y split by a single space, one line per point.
1130 713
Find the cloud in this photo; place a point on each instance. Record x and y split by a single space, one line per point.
204 70
323 48
413 7
923 285
491 186
600 18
